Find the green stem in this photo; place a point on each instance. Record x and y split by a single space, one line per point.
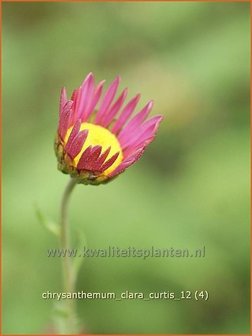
65 237
70 324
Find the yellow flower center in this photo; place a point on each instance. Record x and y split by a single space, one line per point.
98 135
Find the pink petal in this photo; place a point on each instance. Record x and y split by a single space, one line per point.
135 122
89 158
84 157
108 117
63 99
95 98
86 89
74 98
127 162
126 113
95 153
104 155
109 96
109 163
144 138
77 144
73 134
74 95
146 131
141 144
133 157
64 119
89 98
94 162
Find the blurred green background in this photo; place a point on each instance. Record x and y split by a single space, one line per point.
190 189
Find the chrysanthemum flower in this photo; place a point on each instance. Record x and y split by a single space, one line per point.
94 145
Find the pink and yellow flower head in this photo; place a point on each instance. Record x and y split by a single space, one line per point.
95 144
